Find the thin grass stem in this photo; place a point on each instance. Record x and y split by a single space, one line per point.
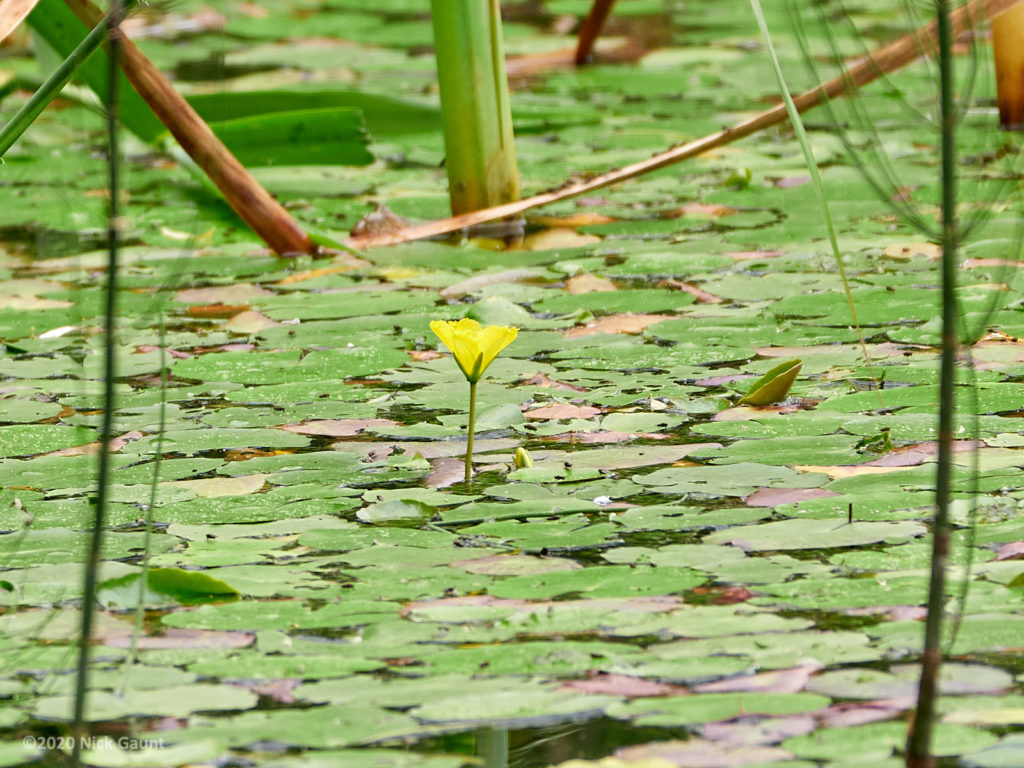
140 608
49 90
812 166
106 422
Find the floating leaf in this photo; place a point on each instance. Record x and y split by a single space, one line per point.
396 509
184 587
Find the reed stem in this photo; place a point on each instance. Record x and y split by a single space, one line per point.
920 734
477 114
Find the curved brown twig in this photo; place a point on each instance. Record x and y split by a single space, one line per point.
879 62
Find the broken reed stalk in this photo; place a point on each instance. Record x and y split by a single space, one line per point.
919 736
1008 49
881 61
591 28
99 522
475 108
264 215
12 13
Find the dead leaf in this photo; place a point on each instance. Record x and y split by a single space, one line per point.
422 355
764 732
252 10
972 263
56 333
172 638
236 293
774 497
213 487
658 604
792 181
850 713
752 255
558 411
337 427
277 690
588 283
717 381
244 454
748 412
624 323
1013 550
916 454
626 686
91 449
474 284
15 12
600 438
343 262
381 220
516 565
722 595
703 297
699 211
560 237
700 753
905 251
581 219
32 302
445 472
776 681
247 322
540 380
837 472
217 310
891 612
441 448
369 451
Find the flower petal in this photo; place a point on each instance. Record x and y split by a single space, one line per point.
473 346
494 339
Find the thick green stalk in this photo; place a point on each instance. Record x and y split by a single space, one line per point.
25 116
107 422
472 429
812 168
919 737
492 747
479 143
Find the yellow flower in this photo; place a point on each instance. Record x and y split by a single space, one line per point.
474 346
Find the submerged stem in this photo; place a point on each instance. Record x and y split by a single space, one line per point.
472 428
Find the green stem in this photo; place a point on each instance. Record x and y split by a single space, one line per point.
140 607
107 420
919 738
476 110
53 85
819 186
472 428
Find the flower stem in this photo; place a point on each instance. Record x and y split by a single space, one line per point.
472 428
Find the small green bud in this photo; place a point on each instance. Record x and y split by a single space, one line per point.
523 458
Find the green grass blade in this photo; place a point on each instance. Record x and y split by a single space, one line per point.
79 57
812 168
53 21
